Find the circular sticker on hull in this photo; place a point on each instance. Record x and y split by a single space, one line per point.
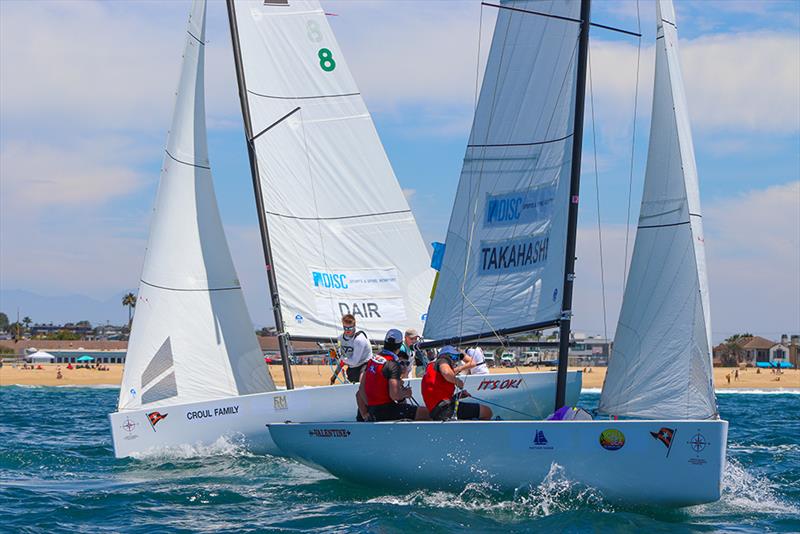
612 439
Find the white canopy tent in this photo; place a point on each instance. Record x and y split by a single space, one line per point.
40 357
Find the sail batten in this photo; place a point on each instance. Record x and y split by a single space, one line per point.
661 363
192 338
342 236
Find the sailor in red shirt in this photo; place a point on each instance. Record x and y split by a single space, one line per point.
381 392
439 384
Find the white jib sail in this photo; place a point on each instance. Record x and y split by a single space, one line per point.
504 259
342 235
661 364
192 338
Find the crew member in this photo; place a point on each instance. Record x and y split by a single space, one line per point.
416 358
354 350
381 392
478 361
439 384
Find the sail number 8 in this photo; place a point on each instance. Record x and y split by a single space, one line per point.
326 61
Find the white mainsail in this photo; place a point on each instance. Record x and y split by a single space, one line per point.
661 364
342 236
192 338
503 264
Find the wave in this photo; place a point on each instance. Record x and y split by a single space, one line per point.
223 446
743 492
556 494
755 391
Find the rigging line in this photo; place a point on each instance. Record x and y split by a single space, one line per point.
338 218
633 148
265 130
597 188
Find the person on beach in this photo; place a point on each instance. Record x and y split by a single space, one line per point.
381 393
354 350
439 384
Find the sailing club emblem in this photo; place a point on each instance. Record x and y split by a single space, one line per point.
154 418
540 441
665 436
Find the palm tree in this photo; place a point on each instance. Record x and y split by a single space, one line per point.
27 322
129 300
733 352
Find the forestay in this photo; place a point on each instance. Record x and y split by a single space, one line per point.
192 338
503 265
661 364
342 235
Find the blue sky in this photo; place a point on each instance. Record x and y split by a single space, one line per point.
86 90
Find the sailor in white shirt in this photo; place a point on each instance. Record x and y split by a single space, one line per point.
480 363
354 350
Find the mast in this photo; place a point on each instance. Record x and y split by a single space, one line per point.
572 224
262 219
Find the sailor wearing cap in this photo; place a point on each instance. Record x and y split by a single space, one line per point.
416 358
439 384
381 392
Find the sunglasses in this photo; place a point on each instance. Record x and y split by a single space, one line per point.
349 328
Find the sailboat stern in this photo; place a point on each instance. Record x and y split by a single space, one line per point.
656 463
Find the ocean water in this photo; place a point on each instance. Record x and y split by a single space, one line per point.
58 474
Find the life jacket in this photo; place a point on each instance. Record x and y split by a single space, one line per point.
435 388
376 386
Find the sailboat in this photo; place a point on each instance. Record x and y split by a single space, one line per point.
663 442
194 372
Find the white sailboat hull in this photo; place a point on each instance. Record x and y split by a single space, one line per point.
511 455
244 418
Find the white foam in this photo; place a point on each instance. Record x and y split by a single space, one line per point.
776 391
743 492
223 446
554 495
731 391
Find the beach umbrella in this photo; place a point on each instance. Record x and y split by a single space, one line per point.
85 358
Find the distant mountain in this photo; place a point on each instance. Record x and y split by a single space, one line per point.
62 309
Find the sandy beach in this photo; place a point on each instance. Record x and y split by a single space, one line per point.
318 375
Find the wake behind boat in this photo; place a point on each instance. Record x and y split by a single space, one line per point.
524 151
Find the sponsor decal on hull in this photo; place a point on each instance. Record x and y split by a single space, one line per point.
216 412
329 433
512 383
279 402
540 441
612 439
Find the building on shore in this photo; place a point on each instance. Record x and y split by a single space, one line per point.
755 350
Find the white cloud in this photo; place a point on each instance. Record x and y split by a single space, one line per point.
101 65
